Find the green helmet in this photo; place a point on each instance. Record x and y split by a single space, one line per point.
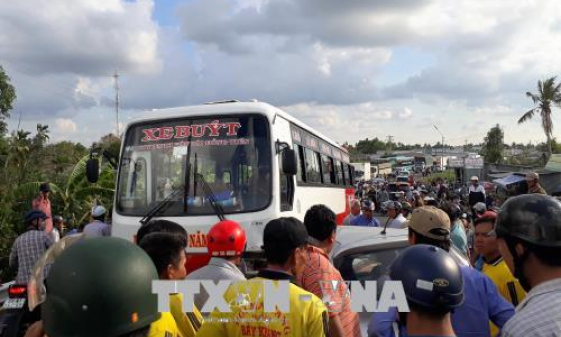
100 287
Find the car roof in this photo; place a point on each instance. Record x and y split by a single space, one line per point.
353 239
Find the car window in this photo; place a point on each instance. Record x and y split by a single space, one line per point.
368 265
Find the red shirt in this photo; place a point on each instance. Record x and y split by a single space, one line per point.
44 204
317 277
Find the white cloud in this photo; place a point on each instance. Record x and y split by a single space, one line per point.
66 126
347 69
406 113
81 37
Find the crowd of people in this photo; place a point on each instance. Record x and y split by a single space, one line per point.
102 286
43 230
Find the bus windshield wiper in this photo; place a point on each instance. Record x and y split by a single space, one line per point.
218 210
161 206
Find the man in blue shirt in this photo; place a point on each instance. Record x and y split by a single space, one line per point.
367 218
483 303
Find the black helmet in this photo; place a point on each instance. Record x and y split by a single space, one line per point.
100 287
34 214
430 277
533 218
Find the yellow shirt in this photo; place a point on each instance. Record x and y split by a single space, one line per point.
164 327
188 323
508 286
305 318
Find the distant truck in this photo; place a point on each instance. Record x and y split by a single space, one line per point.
384 169
363 168
419 163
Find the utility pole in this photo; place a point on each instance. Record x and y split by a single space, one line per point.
442 147
390 142
116 82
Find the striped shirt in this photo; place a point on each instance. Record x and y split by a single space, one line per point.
27 250
539 314
317 277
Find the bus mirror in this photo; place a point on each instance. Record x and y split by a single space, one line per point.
289 162
92 170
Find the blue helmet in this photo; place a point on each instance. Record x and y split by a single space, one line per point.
430 277
34 214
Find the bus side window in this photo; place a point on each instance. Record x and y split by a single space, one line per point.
344 174
351 175
312 167
327 170
338 173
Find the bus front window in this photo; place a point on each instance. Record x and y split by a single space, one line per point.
232 154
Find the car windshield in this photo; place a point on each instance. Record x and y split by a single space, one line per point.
232 154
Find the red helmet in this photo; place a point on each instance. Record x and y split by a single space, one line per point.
226 238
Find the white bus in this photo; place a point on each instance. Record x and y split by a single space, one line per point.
237 148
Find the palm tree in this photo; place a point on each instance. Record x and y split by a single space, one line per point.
548 94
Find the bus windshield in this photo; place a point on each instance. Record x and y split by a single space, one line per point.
233 155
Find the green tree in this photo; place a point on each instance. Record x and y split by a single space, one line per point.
7 97
549 94
494 145
555 146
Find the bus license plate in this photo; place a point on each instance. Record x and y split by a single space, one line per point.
14 303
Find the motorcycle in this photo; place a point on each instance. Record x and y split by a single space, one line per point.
15 317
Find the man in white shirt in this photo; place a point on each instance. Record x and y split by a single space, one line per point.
355 211
476 192
396 218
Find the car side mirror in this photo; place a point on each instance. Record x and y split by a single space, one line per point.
289 166
92 170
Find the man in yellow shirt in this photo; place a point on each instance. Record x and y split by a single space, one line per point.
283 242
167 251
491 262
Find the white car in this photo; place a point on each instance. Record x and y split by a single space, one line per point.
364 253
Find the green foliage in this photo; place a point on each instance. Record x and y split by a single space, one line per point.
555 147
493 146
449 175
367 146
7 97
26 161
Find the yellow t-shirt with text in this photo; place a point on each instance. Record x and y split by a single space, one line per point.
307 315
164 327
188 323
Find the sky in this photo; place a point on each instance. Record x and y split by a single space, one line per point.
351 69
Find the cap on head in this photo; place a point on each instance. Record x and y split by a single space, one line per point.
98 211
284 234
431 222
226 238
34 214
532 176
480 207
392 205
474 178
367 205
488 216
45 187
